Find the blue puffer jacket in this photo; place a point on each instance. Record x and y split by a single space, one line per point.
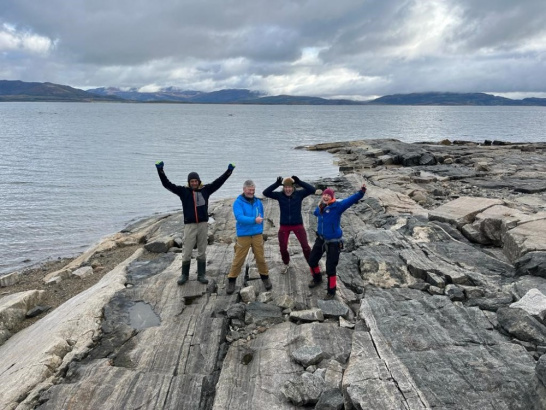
329 219
245 211
290 206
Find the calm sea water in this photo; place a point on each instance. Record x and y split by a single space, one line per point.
72 173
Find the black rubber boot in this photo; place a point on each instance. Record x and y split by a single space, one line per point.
230 286
266 282
317 280
201 269
185 273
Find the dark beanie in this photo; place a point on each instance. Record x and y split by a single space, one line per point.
193 175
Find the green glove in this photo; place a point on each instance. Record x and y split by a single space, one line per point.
231 167
159 164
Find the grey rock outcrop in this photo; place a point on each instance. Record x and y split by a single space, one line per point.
441 259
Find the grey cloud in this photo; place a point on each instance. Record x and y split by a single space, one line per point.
365 48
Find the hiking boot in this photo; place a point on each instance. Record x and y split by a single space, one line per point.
285 268
267 283
185 274
317 280
201 269
230 288
329 296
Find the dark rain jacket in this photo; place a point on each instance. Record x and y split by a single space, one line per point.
290 206
195 204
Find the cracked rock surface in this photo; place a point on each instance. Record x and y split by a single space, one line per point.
446 242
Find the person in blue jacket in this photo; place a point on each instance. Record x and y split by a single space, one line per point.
330 236
290 201
195 205
249 215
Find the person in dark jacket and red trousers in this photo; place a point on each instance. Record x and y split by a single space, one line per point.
330 236
195 205
290 200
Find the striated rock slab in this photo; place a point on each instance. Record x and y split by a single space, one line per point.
14 308
527 237
434 352
462 210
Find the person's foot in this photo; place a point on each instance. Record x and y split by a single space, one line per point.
267 283
285 268
329 296
183 279
202 279
314 283
230 288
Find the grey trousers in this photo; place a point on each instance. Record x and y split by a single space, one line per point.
195 234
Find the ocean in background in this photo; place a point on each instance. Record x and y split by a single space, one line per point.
72 173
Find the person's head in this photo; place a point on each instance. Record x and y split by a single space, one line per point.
249 188
288 186
328 195
193 180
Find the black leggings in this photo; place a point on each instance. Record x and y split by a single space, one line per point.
332 250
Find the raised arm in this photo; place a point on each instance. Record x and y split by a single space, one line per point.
353 199
307 188
268 192
175 189
218 182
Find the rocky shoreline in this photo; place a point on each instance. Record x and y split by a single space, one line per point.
441 300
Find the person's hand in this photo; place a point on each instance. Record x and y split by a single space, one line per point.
296 179
363 188
231 167
279 180
259 219
159 164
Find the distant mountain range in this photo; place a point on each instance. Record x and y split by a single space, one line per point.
26 91
23 91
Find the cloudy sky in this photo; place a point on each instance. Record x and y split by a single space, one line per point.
328 48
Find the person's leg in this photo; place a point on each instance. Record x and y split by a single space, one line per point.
332 259
314 259
284 233
242 245
202 241
259 254
190 238
301 235
202 238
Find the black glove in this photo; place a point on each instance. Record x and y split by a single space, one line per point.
363 188
279 180
296 179
159 164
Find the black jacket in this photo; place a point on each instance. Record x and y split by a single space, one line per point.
290 206
195 204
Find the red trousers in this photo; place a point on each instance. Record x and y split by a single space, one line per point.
301 235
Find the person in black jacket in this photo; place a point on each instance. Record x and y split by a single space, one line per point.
195 205
290 200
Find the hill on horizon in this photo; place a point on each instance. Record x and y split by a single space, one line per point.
33 91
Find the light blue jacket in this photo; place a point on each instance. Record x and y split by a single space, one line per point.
245 211
329 220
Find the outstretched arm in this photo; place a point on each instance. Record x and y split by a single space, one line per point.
353 199
175 189
218 182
